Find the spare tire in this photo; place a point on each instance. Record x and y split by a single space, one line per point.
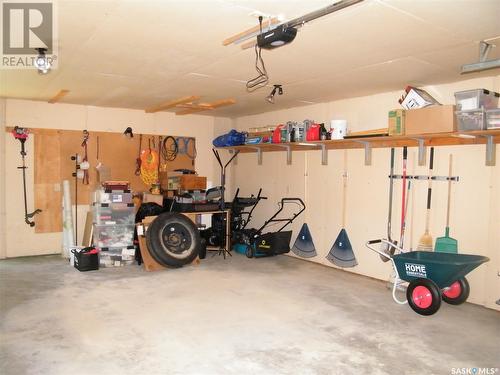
173 240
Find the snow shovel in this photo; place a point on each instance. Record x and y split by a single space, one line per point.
341 253
304 245
446 244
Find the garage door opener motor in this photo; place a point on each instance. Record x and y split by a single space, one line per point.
21 134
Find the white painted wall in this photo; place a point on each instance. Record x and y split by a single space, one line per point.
21 240
2 180
475 204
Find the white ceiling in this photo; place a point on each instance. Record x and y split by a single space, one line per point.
136 54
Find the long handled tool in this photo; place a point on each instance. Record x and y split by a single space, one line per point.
403 227
385 248
304 244
341 253
425 242
446 244
21 134
403 197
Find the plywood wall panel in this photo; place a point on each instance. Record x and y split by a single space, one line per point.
47 182
53 164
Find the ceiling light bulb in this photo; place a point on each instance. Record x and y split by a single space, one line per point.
277 43
42 63
270 98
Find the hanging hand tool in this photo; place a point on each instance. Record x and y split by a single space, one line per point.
403 196
21 134
425 242
138 160
341 254
447 244
85 159
403 227
385 248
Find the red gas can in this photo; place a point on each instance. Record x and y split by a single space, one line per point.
277 134
313 132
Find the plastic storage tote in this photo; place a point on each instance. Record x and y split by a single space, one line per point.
476 99
470 120
114 213
117 257
113 196
493 119
109 236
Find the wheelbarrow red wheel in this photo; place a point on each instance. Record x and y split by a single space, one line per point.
423 296
457 293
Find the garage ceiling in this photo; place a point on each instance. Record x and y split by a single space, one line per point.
136 54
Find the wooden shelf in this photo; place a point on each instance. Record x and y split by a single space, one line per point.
488 137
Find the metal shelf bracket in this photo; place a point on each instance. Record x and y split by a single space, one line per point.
368 152
324 155
422 151
288 153
259 154
490 151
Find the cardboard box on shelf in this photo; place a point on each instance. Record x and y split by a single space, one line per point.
414 98
187 182
396 124
436 119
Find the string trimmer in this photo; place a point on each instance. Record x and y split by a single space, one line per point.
21 134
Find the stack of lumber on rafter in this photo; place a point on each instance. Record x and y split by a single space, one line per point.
188 105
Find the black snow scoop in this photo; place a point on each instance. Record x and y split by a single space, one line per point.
341 253
304 245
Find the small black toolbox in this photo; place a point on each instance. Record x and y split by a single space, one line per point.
86 259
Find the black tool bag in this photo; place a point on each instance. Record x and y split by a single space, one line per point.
86 259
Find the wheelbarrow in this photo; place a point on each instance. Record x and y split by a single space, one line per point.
431 276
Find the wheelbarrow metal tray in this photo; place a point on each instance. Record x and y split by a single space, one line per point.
442 268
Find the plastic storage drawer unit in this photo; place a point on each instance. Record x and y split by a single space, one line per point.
475 99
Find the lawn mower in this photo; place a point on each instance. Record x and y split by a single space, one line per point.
255 243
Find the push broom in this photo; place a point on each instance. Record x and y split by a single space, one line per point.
425 242
446 244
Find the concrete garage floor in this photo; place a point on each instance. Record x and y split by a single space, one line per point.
236 316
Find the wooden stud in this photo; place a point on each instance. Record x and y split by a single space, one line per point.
206 106
58 96
221 103
201 106
249 32
171 104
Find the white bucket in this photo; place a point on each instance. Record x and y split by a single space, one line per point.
338 128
